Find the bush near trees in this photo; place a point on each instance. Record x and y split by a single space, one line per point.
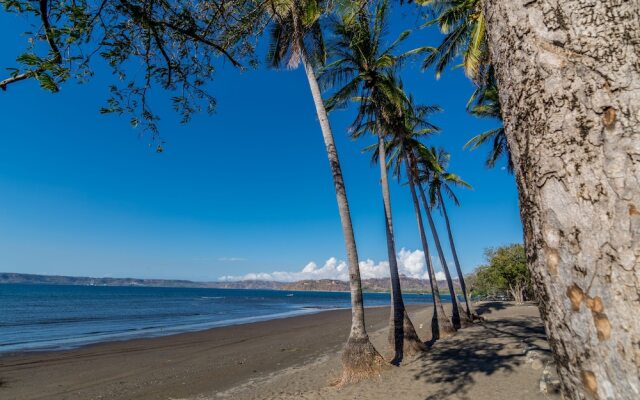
506 272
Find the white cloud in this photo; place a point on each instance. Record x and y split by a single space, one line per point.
231 259
410 263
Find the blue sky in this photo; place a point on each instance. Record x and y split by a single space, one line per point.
245 190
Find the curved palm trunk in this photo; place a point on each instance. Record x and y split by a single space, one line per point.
455 313
360 359
402 334
568 73
463 285
441 326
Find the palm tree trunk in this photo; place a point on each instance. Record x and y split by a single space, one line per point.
402 334
568 74
463 285
455 313
441 326
360 359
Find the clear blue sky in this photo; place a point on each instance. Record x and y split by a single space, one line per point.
245 190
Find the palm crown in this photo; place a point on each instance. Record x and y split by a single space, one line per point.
485 103
364 67
296 34
432 169
409 129
463 23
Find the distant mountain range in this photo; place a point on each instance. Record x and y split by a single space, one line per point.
328 285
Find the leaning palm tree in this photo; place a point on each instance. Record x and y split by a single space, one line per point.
296 38
407 128
441 180
421 155
365 69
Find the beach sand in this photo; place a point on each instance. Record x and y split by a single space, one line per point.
292 358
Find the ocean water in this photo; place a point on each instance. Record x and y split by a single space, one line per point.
54 317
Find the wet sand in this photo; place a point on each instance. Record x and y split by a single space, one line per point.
289 358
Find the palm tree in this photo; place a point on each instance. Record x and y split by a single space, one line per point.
366 68
463 24
439 180
408 127
485 103
421 155
296 38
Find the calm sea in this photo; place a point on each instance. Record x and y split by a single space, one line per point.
51 317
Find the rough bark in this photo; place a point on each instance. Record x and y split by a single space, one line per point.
455 313
402 334
360 359
568 74
452 244
441 326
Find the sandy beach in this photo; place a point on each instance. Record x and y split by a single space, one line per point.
293 358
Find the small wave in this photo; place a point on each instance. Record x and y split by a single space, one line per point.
212 297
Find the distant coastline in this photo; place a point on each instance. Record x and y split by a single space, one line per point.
409 285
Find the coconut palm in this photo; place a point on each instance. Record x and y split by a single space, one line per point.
463 24
485 103
422 155
365 69
408 128
440 180
296 38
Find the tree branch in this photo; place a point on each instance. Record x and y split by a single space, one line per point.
44 16
139 14
13 79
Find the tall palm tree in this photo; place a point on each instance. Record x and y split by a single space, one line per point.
296 38
421 155
366 68
408 127
440 179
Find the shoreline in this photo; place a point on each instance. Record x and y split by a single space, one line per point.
163 332
31 333
289 358
216 358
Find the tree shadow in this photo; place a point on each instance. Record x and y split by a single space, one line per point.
498 345
489 306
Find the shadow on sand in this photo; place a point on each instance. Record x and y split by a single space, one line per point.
489 306
498 345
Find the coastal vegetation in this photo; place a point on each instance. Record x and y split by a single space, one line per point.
562 77
506 272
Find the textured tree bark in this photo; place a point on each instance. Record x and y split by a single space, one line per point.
441 326
402 334
568 74
360 359
463 285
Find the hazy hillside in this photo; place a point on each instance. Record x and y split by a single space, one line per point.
330 285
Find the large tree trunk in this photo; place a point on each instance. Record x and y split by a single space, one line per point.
360 359
402 334
441 326
568 74
463 285
455 313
